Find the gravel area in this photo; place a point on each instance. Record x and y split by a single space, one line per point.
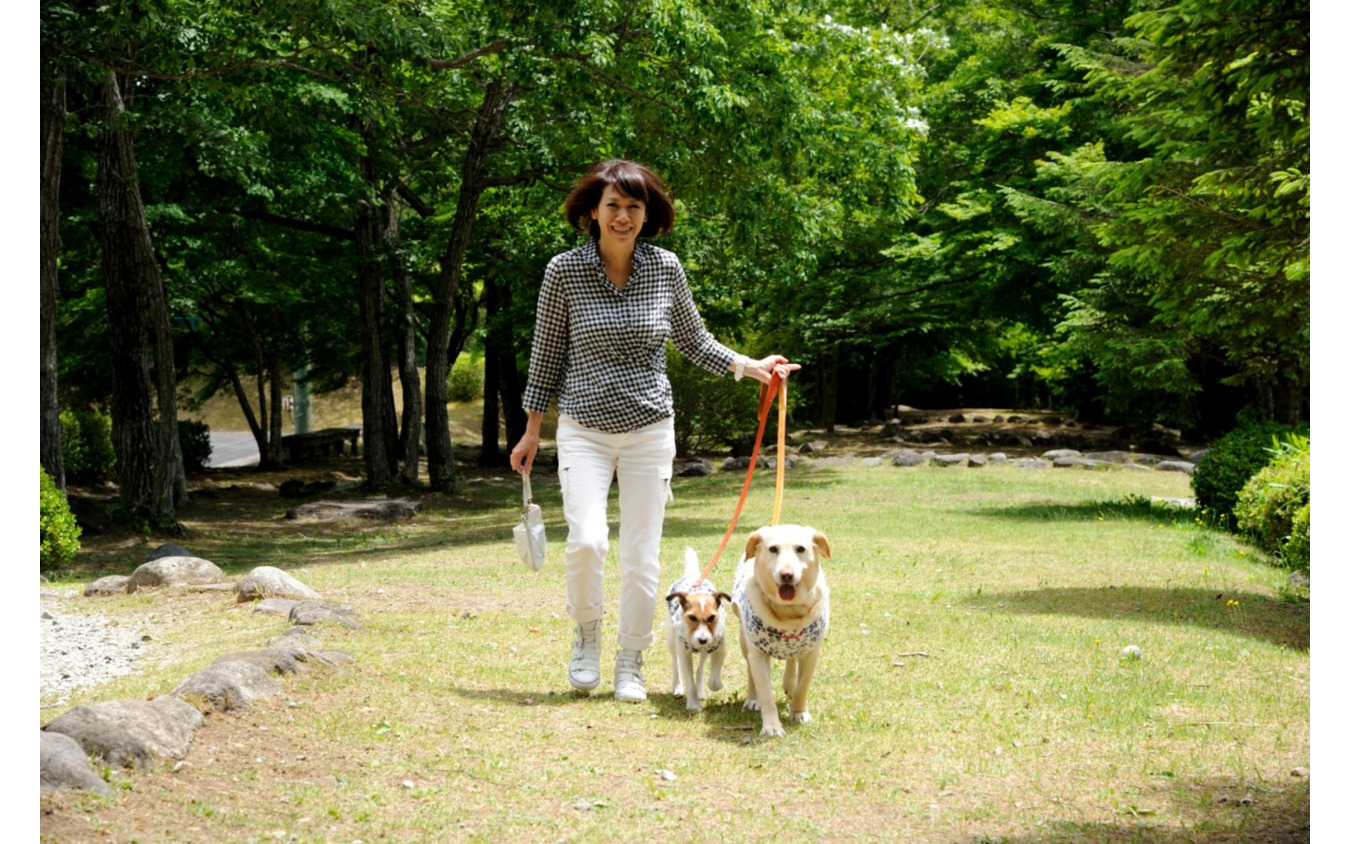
83 649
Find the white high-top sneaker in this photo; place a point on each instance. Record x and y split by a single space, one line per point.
628 684
584 670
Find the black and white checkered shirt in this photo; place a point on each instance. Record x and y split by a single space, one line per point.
602 351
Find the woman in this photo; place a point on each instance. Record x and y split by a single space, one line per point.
604 314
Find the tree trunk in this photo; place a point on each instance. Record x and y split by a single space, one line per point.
135 295
410 382
448 295
375 384
276 455
53 138
259 435
828 381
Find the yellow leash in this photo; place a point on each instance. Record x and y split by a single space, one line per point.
782 450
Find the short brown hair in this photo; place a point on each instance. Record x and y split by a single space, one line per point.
629 178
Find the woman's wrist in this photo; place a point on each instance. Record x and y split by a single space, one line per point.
738 366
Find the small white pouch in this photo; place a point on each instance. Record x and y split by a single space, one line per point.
530 532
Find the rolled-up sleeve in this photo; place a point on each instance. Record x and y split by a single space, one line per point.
688 333
548 355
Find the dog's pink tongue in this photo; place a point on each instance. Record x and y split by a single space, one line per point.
787 591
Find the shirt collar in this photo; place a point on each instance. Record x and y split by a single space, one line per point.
640 253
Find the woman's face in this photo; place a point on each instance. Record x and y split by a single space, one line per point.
619 216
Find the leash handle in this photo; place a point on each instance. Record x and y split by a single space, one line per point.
777 386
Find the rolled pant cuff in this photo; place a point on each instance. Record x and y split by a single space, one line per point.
581 615
635 643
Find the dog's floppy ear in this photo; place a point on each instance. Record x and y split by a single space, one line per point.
752 544
682 597
722 596
822 544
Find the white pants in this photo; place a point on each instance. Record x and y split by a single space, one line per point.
587 462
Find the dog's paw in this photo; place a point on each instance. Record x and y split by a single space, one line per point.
772 731
677 690
693 705
752 705
714 684
802 717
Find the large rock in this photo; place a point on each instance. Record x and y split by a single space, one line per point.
272 582
1176 466
374 509
1030 463
977 461
276 606
271 660
693 469
908 457
227 686
1109 456
318 612
1056 454
113 584
131 733
168 549
174 571
950 459
66 765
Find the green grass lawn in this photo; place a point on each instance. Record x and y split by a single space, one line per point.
971 688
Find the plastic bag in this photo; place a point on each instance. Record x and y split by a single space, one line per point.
530 542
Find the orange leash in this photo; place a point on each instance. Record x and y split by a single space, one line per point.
777 387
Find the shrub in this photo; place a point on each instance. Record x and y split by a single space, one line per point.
1298 550
465 382
711 412
60 535
86 445
1230 463
1268 502
195 440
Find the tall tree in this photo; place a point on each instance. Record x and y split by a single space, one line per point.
53 136
148 465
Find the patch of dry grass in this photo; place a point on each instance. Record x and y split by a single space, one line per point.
1022 723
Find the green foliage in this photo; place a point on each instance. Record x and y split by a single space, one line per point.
60 534
1298 550
710 412
1232 461
86 445
1270 500
465 382
195 440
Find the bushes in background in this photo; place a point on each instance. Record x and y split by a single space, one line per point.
1274 506
195 440
1234 458
60 535
465 382
86 445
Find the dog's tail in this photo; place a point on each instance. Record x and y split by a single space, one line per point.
691 567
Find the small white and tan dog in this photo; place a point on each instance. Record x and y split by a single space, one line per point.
783 604
696 624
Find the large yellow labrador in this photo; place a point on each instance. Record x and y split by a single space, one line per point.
783 604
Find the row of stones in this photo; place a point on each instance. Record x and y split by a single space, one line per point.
136 733
905 457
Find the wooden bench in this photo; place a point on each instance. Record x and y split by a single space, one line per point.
320 443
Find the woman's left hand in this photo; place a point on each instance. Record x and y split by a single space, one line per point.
763 370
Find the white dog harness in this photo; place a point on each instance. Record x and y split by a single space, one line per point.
779 644
677 615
